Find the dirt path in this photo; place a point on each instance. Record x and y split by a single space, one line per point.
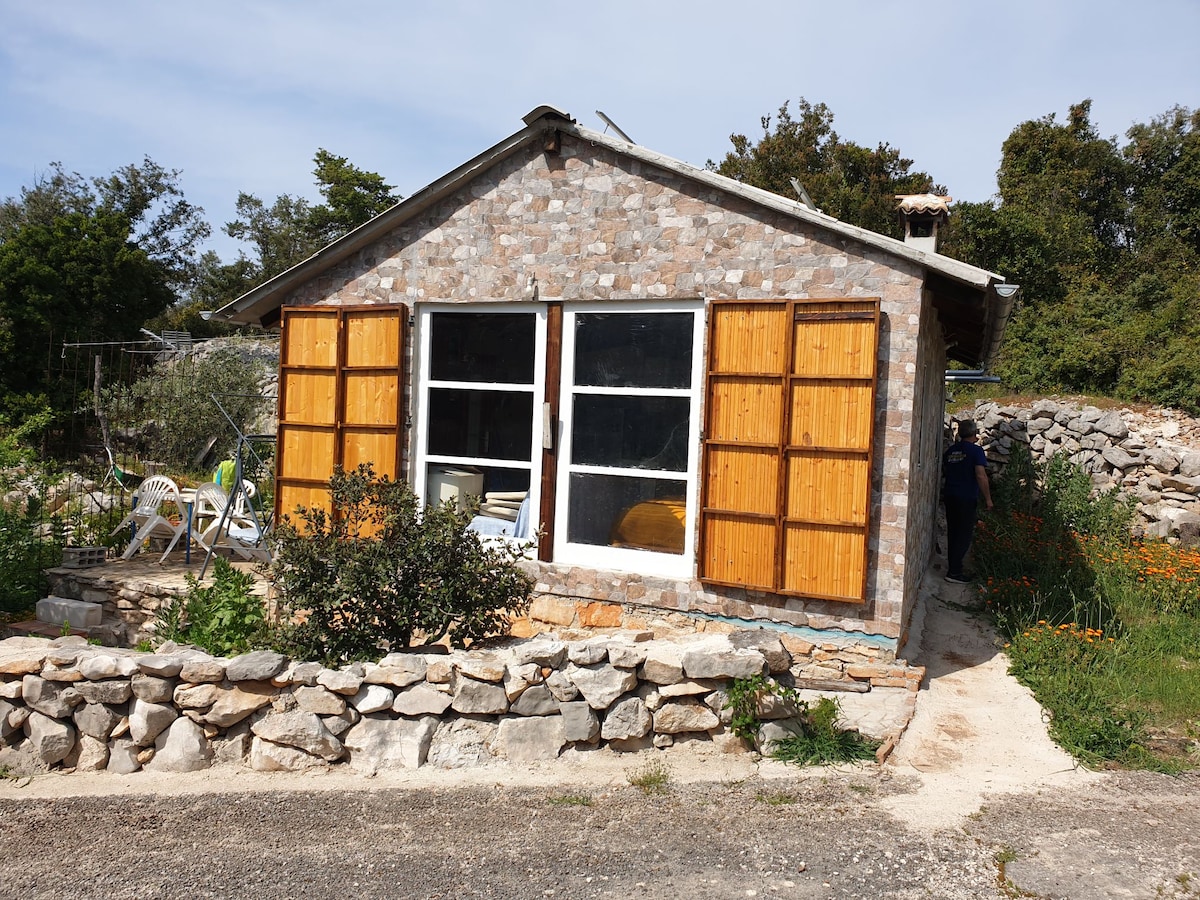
976 802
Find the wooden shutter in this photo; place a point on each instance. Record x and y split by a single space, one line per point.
787 452
341 395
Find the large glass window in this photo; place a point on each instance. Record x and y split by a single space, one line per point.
627 471
480 423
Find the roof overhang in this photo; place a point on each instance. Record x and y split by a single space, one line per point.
972 313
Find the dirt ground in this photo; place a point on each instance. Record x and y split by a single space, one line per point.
975 802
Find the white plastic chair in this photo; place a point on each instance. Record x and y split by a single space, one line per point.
148 522
239 533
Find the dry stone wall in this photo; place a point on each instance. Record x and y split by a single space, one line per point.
1151 456
72 705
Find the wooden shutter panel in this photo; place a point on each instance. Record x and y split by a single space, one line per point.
341 396
787 451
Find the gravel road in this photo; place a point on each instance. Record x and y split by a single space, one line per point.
826 835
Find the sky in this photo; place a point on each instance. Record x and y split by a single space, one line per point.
238 96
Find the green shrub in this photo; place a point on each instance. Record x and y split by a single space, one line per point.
224 618
27 549
818 740
381 572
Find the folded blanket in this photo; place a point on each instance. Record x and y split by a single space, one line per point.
513 496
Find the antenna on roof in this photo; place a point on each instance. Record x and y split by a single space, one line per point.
613 125
803 194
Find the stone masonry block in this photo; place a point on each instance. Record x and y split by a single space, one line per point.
76 613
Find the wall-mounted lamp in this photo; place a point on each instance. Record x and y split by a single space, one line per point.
1007 291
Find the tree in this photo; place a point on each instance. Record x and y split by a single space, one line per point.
852 183
87 259
1105 241
291 229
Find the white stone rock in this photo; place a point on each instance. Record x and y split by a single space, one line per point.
626 656
122 757
101 666
372 698
627 719
398 670
518 678
719 659
237 701
601 684
541 652
258 665
50 740
679 716
421 700
96 720
482 666
580 722
535 701
473 697
587 653
266 756
148 720
300 729
381 742
530 739
316 699
183 747
340 681
462 742
663 663
90 754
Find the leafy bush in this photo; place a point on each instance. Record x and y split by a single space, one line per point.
174 411
225 618
380 572
818 740
27 548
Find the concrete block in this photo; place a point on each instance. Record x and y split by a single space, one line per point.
76 613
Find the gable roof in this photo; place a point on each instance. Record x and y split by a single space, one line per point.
973 315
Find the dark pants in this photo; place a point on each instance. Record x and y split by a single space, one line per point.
960 528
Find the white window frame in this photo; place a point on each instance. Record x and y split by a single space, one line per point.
423 384
618 558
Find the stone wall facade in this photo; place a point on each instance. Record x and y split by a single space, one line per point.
71 705
588 224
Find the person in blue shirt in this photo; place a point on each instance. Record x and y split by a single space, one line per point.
964 468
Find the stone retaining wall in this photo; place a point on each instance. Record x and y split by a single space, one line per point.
1151 456
76 706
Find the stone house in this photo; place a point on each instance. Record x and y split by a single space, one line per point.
703 402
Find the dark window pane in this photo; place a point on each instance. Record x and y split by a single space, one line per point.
630 432
486 347
486 424
638 513
634 349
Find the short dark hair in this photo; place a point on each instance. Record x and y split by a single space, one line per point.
967 428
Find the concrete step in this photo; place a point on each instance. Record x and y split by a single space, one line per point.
64 611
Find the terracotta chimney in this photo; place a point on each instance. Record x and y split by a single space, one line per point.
921 215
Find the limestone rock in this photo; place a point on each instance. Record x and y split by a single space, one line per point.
316 699
302 730
339 724
461 742
719 659
152 688
663 663
679 716
561 687
587 653
535 701
473 697
266 756
1118 458
601 684
232 748
160 666
627 719
381 742
48 697
96 721
484 666
1182 483
306 673
196 696
768 644
236 702
626 656
1112 424
1189 467
580 722
148 720
259 665
530 739
340 681
50 740
103 665
202 670
10 690
114 691
398 670
518 678
122 757
1163 460
20 659
373 698
90 754
541 652
421 700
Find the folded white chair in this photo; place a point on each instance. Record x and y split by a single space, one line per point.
147 519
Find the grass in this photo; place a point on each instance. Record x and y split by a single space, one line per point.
569 800
653 777
1103 629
